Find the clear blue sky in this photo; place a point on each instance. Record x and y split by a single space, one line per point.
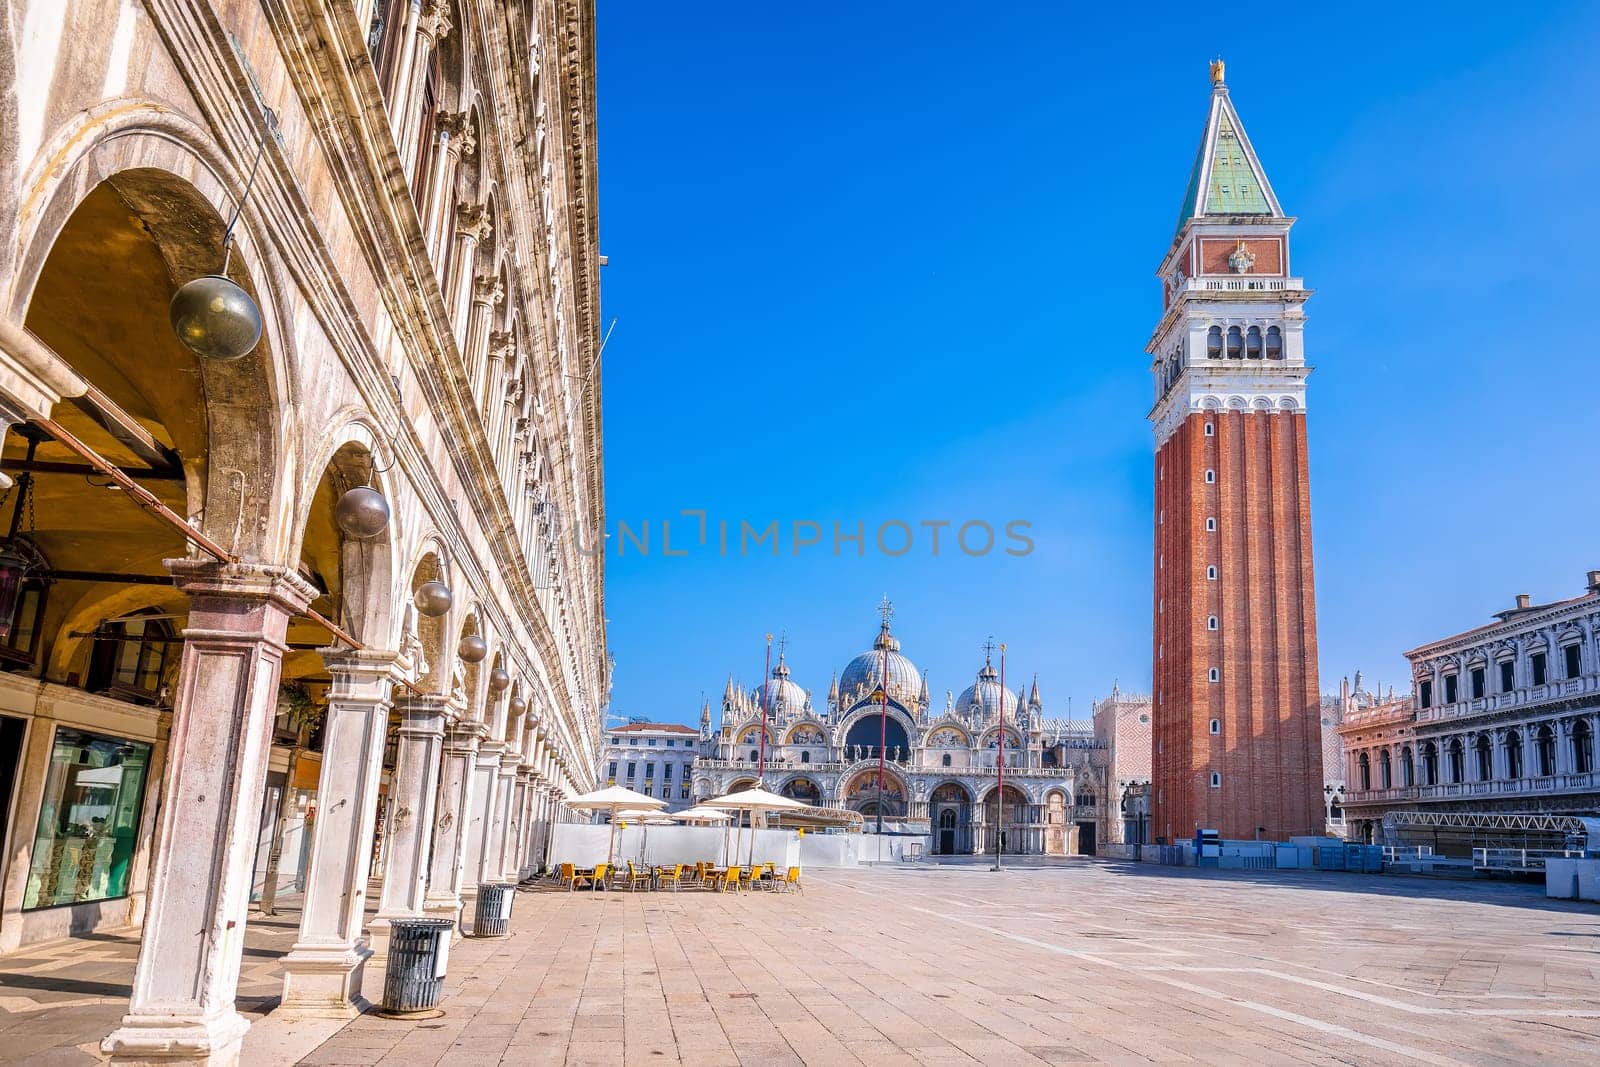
896 262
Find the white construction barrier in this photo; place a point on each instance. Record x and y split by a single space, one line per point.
585 845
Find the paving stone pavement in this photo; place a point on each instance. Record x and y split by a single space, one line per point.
1097 962
1094 962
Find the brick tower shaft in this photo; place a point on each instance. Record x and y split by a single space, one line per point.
1236 705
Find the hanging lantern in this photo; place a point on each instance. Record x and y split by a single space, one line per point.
472 649
517 705
433 599
361 512
13 570
499 680
215 318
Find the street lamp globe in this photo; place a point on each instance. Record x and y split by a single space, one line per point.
215 318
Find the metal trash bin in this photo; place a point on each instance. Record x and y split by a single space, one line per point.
493 915
419 949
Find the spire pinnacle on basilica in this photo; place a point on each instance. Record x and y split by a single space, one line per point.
1227 178
1033 697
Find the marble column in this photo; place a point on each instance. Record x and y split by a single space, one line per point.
431 24
516 831
182 1003
324 968
413 792
481 819
443 899
487 293
472 229
451 137
501 831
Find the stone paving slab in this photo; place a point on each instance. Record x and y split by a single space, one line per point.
1094 963
1091 963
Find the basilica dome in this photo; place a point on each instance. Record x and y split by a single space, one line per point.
782 695
861 675
988 695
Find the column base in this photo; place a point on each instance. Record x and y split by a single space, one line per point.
323 982
444 908
160 1041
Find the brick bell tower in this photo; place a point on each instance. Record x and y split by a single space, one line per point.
1238 744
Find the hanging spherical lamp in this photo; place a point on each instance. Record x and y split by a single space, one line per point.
433 599
517 705
361 512
472 649
499 680
215 318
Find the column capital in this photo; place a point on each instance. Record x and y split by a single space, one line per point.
453 129
207 578
472 220
435 21
502 344
353 668
486 289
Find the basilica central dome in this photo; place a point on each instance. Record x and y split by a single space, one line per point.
782 695
988 696
861 676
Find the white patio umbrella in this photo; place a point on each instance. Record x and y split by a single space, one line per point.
614 799
753 800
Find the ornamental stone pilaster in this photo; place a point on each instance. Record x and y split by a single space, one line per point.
413 791
456 799
187 975
323 970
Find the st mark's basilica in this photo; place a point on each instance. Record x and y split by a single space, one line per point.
940 774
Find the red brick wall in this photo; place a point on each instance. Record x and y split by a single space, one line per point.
1214 253
1269 750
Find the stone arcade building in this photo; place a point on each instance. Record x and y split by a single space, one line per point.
1500 719
420 239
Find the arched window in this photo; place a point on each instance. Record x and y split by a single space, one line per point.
1214 343
1545 749
1235 343
1430 764
1458 761
805 757
1408 776
1582 747
945 760
1252 343
1513 754
1365 762
1216 726
1274 343
1385 779
755 755
1335 811
1485 754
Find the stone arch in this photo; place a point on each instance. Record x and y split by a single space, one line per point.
859 792
179 185
872 711
427 638
355 453
802 787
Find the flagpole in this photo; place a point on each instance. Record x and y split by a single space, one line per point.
761 764
1000 767
883 732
